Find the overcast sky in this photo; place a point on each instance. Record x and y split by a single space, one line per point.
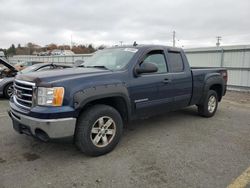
196 22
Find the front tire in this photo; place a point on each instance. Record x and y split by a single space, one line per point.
98 130
210 104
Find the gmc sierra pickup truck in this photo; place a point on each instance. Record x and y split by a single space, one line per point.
116 85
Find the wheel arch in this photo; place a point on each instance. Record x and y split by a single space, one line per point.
218 89
215 83
113 95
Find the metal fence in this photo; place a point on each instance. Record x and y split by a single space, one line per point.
55 59
235 58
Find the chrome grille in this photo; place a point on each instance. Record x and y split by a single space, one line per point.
23 93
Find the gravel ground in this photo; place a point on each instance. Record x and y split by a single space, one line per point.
179 149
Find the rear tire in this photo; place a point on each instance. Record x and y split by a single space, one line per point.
98 130
210 104
8 90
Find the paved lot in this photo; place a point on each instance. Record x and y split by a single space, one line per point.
179 149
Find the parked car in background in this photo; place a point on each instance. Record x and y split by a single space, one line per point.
8 73
68 52
56 52
2 54
47 53
61 52
22 65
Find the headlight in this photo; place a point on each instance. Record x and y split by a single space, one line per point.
50 96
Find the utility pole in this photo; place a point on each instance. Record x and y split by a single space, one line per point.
218 41
71 41
173 38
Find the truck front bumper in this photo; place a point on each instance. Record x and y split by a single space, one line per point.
43 129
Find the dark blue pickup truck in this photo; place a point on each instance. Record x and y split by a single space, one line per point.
116 85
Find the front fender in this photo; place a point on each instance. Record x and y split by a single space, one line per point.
83 97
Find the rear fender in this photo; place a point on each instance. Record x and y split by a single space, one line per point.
211 79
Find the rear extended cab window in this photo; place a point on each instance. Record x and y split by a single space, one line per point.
175 61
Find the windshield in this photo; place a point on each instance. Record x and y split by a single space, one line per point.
112 59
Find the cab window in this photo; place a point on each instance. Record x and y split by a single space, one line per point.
156 57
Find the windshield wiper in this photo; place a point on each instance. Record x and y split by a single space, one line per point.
97 66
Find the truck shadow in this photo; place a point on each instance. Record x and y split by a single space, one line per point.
3 99
164 120
64 150
188 113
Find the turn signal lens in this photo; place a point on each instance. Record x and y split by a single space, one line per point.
58 96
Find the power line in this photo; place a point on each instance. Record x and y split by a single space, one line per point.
173 38
218 41
71 42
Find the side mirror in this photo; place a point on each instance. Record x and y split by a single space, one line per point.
146 68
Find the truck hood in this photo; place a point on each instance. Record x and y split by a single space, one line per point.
53 76
6 64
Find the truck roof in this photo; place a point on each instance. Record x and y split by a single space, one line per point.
147 46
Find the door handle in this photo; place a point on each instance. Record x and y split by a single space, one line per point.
166 81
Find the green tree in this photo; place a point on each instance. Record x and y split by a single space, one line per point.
91 48
11 50
101 47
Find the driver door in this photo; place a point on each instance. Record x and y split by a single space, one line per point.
151 92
